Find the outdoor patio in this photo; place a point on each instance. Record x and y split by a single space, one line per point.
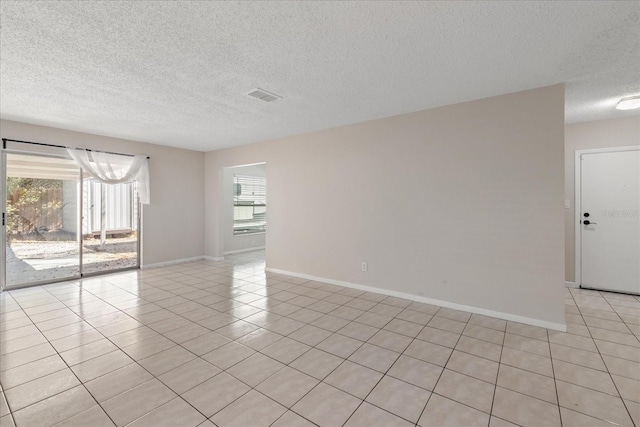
36 261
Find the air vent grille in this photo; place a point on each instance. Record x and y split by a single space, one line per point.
264 95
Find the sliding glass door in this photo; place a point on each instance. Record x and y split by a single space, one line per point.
62 224
41 219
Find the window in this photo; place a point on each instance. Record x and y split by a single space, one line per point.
249 204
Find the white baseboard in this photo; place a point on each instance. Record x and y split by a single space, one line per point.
485 312
214 258
570 285
240 251
172 262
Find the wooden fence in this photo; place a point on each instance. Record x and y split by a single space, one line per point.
45 214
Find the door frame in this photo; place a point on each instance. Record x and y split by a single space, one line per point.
3 206
222 212
577 204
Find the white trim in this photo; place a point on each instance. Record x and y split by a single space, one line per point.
172 262
244 166
3 231
498 314
577 207
38 153
239 251
214 258
609 150
570 285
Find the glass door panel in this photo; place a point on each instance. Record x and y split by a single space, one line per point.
109 226
42 241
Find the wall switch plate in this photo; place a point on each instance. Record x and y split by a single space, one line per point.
567 203
364 266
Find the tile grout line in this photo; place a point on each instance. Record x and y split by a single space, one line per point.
367 342
134 362
69 368
347 359
495 388
146 370
299 308
197 357
555 383
440 376
13 419
605 364
379 329
333 370
387 371
603 361
155 377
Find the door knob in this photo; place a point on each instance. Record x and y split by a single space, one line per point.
587 222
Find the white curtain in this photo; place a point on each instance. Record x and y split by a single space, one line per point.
114 169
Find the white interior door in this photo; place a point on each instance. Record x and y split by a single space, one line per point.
610 221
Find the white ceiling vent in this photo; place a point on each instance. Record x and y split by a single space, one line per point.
264 95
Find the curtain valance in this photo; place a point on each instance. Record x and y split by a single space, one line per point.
115 169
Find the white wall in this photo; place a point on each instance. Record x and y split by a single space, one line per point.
583 136
173 224
462 204
246 241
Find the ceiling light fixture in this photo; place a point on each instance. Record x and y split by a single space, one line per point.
629 103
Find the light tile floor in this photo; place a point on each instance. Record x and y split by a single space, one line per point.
221 343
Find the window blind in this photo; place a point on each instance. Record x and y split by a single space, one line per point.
249 204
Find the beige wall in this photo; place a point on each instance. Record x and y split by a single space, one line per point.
582 136
173 224
461 204
247 241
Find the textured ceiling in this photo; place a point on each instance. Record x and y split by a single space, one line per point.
177 73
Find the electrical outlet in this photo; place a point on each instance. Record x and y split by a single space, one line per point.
364 266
